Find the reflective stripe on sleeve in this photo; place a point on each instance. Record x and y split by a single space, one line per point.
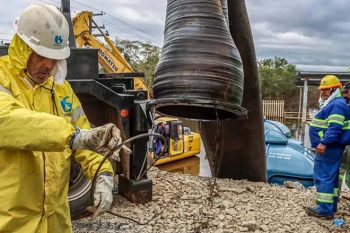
77 113
325 197
318 123
336 118
346 125
3 89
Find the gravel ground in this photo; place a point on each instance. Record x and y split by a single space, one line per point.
234 206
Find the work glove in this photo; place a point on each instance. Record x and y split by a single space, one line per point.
101 139
103 196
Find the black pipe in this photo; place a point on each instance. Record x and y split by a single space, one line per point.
242 141
199 72
65 9
224 9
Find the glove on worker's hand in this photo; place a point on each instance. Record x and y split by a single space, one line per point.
102 140
103 196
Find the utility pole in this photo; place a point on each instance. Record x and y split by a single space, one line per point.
65 9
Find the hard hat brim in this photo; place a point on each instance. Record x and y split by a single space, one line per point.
56 54
329 87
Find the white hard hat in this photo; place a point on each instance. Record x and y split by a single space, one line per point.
45 29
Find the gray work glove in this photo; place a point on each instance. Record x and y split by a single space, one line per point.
103 196
101 139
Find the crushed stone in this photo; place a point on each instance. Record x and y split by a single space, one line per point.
234 206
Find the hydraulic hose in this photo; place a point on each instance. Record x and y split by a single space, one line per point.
118 147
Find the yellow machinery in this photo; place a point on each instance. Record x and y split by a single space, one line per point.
110 58
182 142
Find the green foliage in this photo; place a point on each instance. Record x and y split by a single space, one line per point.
277 79
142 57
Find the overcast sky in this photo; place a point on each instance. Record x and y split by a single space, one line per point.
302 31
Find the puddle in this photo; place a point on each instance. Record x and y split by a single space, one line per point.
196 165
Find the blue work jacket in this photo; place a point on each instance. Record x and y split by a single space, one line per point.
330 126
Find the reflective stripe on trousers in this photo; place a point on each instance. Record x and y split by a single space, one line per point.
325 197
326 174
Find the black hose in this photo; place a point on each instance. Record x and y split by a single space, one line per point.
177 196
93 184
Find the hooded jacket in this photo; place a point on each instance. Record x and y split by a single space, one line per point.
35 155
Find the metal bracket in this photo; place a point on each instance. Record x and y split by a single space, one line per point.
136 191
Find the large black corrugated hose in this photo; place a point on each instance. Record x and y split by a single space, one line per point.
200 66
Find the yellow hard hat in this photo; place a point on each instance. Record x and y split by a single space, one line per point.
329 81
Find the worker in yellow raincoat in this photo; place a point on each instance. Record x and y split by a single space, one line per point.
42 125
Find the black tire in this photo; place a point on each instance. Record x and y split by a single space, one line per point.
79 192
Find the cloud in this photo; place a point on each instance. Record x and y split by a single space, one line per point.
313 31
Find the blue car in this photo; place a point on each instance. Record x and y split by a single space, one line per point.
286 159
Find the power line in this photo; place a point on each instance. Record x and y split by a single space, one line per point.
124 31
77 9
115 18
124 27
120 20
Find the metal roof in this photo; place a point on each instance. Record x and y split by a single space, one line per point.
314 73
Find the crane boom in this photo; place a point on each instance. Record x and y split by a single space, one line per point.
110 58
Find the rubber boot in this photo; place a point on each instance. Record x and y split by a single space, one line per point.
335 208
313 212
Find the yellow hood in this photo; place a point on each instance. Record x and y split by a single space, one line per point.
18 56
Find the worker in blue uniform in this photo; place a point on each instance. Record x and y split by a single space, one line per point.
346 92
329 135
346 178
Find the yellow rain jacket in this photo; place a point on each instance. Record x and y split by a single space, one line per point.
34 148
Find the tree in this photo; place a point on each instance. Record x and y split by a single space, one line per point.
277 78
143 57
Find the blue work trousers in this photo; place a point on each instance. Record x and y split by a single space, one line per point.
326 175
